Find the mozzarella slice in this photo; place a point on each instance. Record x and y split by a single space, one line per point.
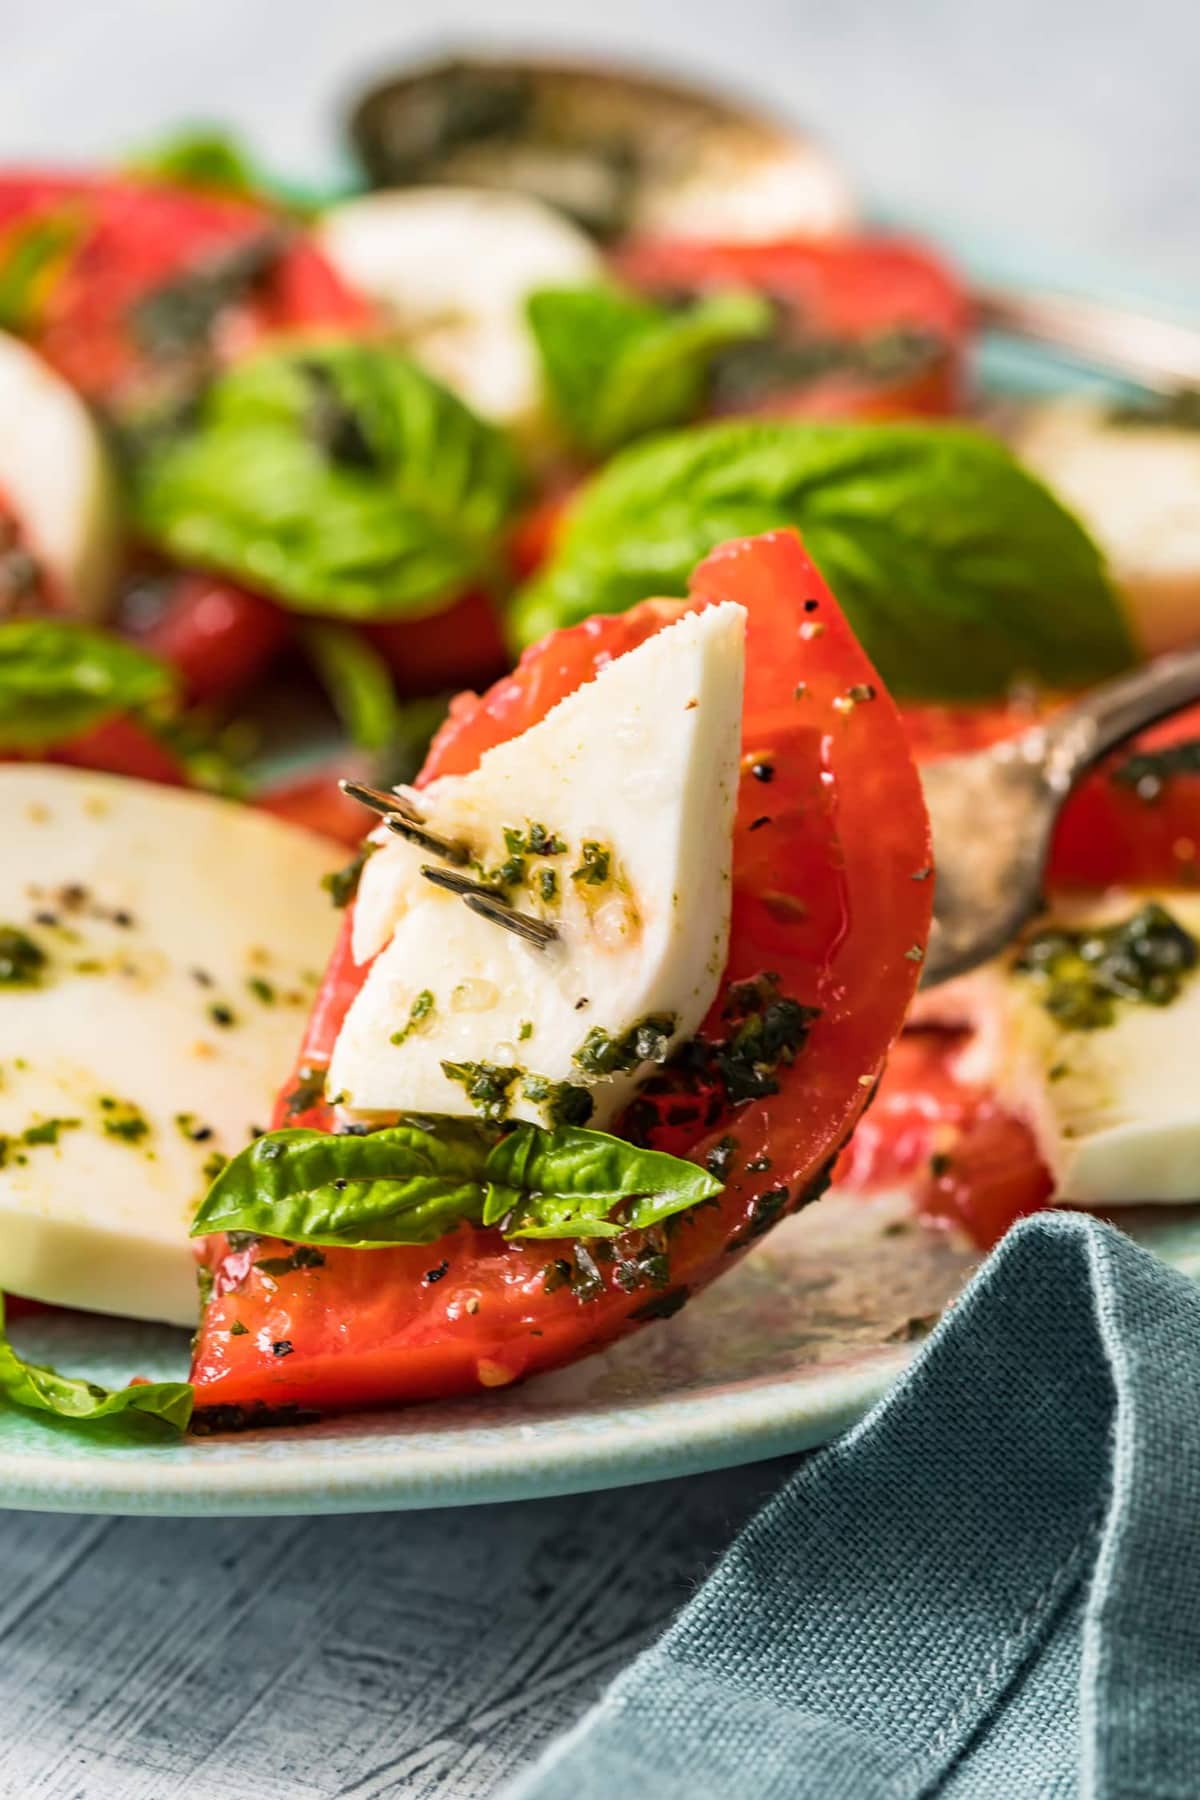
1137 489
641 764
455 266
182 938
1115 1110
56 479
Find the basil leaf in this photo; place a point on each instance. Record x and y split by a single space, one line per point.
33 253
70 1397
59 679
616 366
413 1182
357 681
404 1185
570 1180
338 477
959 572
200 157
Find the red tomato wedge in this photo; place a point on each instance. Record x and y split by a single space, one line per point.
216 634
830 859
127 242
867 327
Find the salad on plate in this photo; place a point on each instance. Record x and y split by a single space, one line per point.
467 652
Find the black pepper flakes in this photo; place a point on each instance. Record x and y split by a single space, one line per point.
433 1276
763 771
282 1347
757 824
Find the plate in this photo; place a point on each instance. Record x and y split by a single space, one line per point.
790 1348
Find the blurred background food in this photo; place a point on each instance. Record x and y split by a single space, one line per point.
335 354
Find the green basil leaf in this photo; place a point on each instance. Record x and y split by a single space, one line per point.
202 157
357 681
406 1184
413 1182
616 366
570 1180
959 572
58 679
70 1397
338 477
34 252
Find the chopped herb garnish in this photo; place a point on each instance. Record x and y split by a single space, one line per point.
123 1120
648 1041
595 867
548 884
237 1329
304 1256
524 1031
222 1015
47 1131
187 1126
562 1102
342 884
308 1092
1083 974
420 1010
261 989
488 1086
213 1164
719 1160
22 961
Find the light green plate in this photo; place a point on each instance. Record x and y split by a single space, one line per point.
786 1351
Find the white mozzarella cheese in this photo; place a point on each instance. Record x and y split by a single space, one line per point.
642 763
182 938
1115 1110
56 479
455 267
1137 489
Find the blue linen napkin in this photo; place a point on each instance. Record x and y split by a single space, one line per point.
989 1589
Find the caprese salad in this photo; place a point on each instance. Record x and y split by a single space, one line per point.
623 969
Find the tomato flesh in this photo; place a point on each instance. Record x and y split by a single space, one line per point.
132 238
824 896
841 293
958 1156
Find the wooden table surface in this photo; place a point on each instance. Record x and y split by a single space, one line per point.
432 1654
423 1654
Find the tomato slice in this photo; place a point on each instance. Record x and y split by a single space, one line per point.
958 1156
830 833
121 746
867 327
217 635
129 241
462 644
1134 822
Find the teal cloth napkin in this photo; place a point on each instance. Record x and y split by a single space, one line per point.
989 1589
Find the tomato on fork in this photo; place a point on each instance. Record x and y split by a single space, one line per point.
830 909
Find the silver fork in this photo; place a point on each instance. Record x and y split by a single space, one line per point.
993 812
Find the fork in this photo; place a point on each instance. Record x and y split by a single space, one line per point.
993 812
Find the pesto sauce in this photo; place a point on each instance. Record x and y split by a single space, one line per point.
342 884
648 1041
122 1119
420 1010
22 961
562 1102
1083 975
488 1086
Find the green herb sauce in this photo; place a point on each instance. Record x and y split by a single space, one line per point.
1083 975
